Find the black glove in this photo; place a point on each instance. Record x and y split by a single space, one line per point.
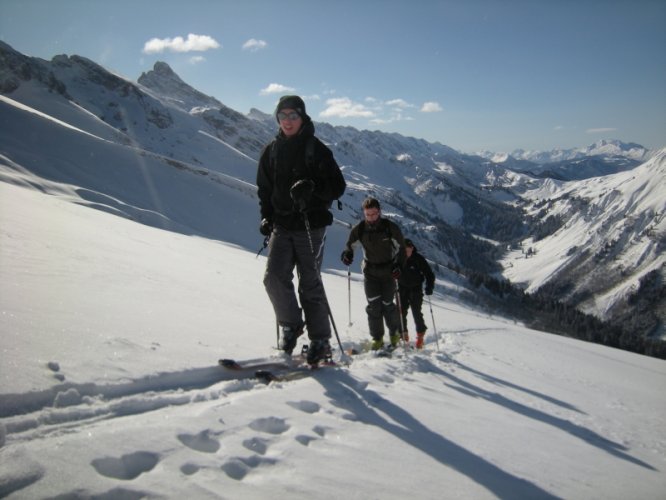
266 227
395 272
301 192
428 290
347 257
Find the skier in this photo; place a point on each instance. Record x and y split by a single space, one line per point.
384 254
297 180
415 271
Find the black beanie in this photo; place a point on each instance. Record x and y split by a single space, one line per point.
291 102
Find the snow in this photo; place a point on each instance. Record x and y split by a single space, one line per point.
626 208
126 274
109 384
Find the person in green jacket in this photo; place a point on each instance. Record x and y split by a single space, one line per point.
384 255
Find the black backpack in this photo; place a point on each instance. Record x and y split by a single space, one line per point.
383 222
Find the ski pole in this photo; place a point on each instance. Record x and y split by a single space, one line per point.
266 240
405 344
433 322
321 282
349 293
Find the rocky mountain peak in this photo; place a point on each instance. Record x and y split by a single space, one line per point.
165 82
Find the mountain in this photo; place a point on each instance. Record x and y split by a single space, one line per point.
162 153
600 148
597 240
604 157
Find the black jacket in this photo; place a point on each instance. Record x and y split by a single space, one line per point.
278 171
415 270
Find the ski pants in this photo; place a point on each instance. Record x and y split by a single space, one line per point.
379 291
412 297
289 249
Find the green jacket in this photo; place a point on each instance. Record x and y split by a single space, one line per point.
383 246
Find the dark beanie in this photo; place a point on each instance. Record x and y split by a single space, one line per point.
291 102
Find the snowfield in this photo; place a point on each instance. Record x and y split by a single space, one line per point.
109 384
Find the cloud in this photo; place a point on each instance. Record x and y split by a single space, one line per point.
198 43
276 88
399 103
254 45
431 107
343 107
600 130
197 59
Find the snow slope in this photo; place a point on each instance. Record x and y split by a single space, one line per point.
612 234
109 386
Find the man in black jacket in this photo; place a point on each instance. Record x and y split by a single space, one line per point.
415 271
297 180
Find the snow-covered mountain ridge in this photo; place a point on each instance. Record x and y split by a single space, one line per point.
463 210
604 235
601 158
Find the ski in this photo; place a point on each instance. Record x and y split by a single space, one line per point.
295 373
270 370
383 352
254 365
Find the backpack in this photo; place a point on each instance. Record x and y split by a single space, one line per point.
309 159
361 229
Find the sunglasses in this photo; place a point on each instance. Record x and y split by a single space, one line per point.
292 116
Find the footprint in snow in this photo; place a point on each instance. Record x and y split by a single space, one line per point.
238 467
18 470
54 366
189 468
270 425
320 430
306 406
126 467
305 440
258 445
200 442
123 493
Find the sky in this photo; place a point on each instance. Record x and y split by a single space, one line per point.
474 75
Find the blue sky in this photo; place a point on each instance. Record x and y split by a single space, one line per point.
471 74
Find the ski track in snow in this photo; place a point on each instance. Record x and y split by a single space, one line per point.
71 407
67 404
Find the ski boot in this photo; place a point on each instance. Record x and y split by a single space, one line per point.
419 340
319 350
394 342
290 337
376 344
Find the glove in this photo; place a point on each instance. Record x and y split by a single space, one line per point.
428 290
395 272
301 192
347 257
266 227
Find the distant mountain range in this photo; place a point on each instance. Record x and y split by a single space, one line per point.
584 226
601 158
